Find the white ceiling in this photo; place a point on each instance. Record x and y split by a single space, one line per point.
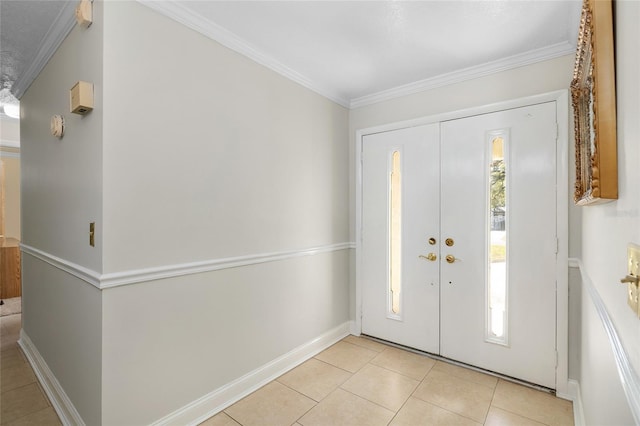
349 51
358 48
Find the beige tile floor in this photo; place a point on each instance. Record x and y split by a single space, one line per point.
22 400
361 382
354 382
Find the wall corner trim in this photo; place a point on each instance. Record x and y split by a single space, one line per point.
59 399
629 378
61 27
201 409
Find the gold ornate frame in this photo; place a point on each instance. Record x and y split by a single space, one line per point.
594 106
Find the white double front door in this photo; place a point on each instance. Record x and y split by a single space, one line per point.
459 240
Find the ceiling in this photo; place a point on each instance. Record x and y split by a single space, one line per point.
350 51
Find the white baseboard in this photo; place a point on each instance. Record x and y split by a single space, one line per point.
353 328
575 396
59 399
201 409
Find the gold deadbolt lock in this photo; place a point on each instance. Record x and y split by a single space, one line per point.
449 242
432 241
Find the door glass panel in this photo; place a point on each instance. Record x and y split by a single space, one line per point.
497 288
395 235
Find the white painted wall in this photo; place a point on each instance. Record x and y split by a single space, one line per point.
61 194
170 342
209 155
230 159
606 231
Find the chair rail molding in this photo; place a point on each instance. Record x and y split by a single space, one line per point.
135 276
629 378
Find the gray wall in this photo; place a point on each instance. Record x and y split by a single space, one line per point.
62 193
208 155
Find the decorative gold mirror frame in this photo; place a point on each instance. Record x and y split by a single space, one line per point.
593 97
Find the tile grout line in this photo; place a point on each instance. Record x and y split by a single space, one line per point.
444 408
493 396
364 399
328 363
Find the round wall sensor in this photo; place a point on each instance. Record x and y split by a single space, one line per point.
57 126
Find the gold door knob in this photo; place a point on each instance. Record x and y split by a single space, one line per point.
431 256
451 258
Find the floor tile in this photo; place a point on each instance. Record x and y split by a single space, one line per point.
454 394
47 417
20 402
344 408
347 356
11 358
466 374
404 362
274 404
381 386
11 324
18 376
220 419
499 417
533 404
365 343
315 379
8 341
420 413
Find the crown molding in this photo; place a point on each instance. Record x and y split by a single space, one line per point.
58 31
515 61
180 13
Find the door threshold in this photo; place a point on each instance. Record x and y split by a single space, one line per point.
463 365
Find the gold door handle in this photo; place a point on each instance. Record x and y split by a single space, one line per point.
630 279
451 258
431 256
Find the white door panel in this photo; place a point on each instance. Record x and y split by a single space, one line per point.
528 352
417 322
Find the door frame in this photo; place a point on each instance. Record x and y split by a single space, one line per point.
561 97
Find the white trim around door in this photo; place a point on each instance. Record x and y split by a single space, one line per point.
562 208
